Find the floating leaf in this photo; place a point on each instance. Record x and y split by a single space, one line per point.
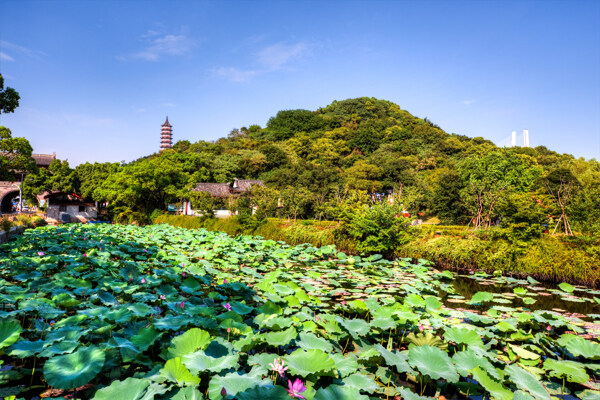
75 369
433 362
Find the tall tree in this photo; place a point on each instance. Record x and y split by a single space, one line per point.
9 98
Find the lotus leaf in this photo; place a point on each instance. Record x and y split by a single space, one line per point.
75 369
264 392
309 362
192 340
336 392
463 336
571 370
234 383
175 371
433 362
10 332
495 388
130 388
198 361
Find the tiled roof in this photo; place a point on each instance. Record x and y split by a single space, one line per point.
43 159
215 189
244 185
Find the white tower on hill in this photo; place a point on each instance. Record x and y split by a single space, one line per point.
525 138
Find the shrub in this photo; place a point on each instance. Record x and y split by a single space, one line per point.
6 224
377 229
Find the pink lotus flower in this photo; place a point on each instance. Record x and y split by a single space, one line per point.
40 253
227 306
548 328
294 389
143 280
85 254
183 274
224 280
421 327
162 297
223 392
279 368
182 305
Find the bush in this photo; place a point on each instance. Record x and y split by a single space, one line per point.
377 229
6 224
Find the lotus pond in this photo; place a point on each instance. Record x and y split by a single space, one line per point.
125 312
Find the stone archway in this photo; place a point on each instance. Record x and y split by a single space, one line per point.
6 202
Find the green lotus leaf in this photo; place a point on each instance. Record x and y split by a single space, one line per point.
198 361
187 393
234 383
145 338
426 339
579 346
62 347
480 297
311 341
275 322
270 308
414 300
356 327
10 331
565 287
130 389
345 364
337 392
409 395
571 370
365 383
306 362
264 392
526 381
433 362
463 336
383 323
394 358
140 309
75 369
280 338
469 359
25 348
175 371
240 308
192 340
589 395
431 303
495 388
505 326
172 323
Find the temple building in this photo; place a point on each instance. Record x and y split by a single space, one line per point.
166 136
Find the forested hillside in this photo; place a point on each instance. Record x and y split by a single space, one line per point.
313 161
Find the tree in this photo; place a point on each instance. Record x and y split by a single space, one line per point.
9 98
560 184
487 178
15 155
288 122
364 176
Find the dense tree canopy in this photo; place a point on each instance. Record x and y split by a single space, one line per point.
313 160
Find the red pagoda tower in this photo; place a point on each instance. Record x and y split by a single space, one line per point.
166 136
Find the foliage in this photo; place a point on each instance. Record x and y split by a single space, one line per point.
9 98
106 311
15 155
381 228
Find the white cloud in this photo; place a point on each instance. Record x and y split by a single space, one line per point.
467 102
269 59
13 48
5 57
278 55
235 74
160 46
169 104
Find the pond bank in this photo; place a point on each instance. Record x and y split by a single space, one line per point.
549 259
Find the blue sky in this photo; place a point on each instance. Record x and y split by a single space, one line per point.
98 78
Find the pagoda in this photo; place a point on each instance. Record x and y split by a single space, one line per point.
166 135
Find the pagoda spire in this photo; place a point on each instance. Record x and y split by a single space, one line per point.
166 135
